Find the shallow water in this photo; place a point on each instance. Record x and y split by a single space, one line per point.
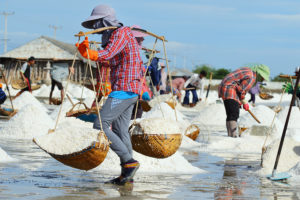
229 176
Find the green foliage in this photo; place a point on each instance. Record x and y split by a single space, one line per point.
279 79
217 73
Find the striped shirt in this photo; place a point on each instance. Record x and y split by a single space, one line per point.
236 84
122 53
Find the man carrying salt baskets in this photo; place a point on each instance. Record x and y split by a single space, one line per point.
121 51
233 90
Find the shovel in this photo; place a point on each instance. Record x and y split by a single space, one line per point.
283 176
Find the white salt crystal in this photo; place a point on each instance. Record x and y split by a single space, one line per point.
70 137
294 117
4 157
157 126
289 156
175 164
27 98
30 121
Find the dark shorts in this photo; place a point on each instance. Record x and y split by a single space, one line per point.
232 108
27 88
58 84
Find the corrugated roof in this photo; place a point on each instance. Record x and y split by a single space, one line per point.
43 48
180 72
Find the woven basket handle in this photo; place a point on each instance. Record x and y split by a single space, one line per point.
78 103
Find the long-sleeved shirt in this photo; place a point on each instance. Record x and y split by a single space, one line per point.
196 82
122 53
178 83
236 84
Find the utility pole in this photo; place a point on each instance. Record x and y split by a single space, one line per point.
55 28
5 14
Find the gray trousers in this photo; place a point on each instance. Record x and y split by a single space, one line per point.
116 113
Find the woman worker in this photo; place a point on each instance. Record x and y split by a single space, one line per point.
121 51
233 89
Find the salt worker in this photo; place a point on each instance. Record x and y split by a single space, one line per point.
193 83
233 90
25 73
121 51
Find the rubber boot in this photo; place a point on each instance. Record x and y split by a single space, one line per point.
233 128
228 129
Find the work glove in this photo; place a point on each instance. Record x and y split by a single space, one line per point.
245 105
83 48
288 88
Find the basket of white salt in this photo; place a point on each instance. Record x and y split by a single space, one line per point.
265 96
156 137
78 147
78 112
192 131
7 112
18 84
172 103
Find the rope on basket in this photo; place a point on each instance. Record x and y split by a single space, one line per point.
170 78
62 101
101 133
271 127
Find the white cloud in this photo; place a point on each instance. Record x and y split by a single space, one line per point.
283 17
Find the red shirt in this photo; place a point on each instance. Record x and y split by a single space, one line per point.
123 55
236 84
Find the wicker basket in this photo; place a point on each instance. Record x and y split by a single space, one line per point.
76 113
35 87
265 96
171 103
18 84
56 101
193 134
156 145
145 105
87 158
9 113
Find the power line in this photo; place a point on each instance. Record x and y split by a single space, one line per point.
5 14
55 28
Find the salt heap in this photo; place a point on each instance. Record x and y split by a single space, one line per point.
295 171
289 156
212 115
27 98
44 91
159 99
69 137
66 106
76 90
157 126
175 164
4 157
30 121
265 115
294 117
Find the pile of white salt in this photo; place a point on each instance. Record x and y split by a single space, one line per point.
289 156
30 121
72 135
27 98
156 126
4 157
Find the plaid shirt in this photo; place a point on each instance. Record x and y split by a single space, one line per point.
236 84
122 53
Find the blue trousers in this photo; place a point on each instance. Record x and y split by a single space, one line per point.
186 99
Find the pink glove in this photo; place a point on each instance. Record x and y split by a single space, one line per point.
246 106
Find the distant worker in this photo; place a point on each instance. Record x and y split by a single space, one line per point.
25 73
192 84
178 85
233 89
3 96
163 80
253 91
59 73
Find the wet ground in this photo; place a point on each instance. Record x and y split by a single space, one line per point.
37 176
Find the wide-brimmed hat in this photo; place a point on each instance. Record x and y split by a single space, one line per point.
138 33
262 70
98 12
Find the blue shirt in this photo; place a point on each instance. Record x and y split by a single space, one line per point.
122 95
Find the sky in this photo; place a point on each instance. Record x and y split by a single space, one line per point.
223 34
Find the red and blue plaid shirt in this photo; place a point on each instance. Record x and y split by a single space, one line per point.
236 84
122 53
